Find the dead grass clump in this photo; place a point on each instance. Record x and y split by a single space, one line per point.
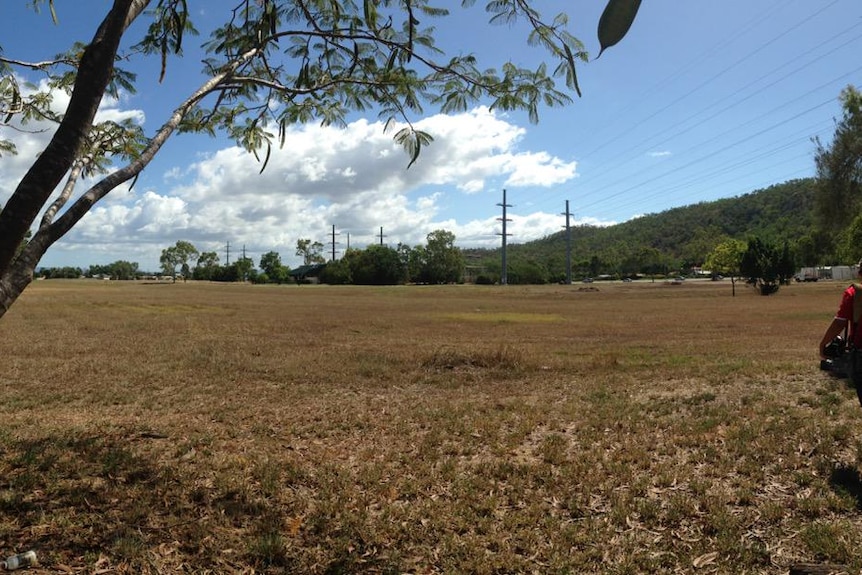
505 357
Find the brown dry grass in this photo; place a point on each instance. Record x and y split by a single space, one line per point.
640 428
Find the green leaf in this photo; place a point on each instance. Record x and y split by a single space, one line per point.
570 59
412 141
16 102
266 159
616 21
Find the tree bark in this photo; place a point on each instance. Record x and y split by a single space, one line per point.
35 188
20 273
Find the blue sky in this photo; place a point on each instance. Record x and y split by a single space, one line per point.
701 101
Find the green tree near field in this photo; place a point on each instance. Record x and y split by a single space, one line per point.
244 269
816 247
648 261
726 259
839 167
66 272
414 260
338 272
310 252
118 270
276 272
766 266
375 265
444 262
526 272
179 254
272 64
206 267
850 241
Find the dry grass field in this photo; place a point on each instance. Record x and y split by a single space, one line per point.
640 428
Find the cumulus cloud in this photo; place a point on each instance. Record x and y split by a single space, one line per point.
31 138
354 178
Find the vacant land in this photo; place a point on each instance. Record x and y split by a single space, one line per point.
639 428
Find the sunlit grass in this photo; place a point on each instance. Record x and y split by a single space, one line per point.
503 317
640 428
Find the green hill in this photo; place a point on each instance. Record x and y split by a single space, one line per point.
675 240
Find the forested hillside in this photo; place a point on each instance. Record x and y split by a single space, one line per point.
674 240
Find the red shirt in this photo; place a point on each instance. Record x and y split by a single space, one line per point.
845 312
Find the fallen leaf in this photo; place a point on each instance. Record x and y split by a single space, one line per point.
705 559
294 526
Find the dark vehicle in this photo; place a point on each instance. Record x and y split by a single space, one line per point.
837 360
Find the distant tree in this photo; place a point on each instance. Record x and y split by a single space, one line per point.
649 261
726 260
225 273
97 270
595 266
839 166
123 270
444 262
180 255
244 269
850 242
524 271
310 252
338 272
762 265
786 264
413 258
700 244
270 263
207 266
67 272
239 271
817 247
376 265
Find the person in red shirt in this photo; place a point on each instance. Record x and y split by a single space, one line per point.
842 320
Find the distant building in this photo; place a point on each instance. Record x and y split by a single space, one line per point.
309 274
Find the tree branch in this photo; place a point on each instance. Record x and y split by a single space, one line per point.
83 204
94 74
36 65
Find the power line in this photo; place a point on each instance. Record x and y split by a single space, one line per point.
745 131
716 76
730 106
705 157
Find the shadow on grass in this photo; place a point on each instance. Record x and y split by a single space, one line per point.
113 503
846 478
95 490
96 500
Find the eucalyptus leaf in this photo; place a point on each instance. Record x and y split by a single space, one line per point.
616 21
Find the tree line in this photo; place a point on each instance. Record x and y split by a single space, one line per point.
762 237
438 261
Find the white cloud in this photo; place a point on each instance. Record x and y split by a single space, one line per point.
355 178
31 138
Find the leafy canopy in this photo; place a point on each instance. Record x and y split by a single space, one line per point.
839 166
